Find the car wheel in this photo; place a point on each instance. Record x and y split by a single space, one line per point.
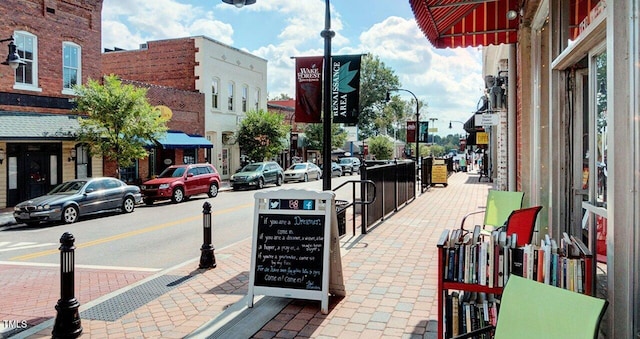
70 214
235 188
279 181
177 196
148 202
128 205
306 177
260 183
213 191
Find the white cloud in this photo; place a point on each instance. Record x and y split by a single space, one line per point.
449 80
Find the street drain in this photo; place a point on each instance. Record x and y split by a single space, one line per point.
114 308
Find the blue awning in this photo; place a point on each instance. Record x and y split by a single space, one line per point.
173 140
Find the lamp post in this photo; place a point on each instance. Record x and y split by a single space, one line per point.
327 34
417 123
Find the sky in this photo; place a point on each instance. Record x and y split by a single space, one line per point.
448 80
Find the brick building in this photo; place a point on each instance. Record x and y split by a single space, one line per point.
59 45
232 81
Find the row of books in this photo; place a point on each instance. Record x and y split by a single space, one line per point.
472 260
468 311
488 261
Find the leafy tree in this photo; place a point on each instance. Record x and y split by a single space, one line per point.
119 121
282 96
375 80
261 134
314 135
381 147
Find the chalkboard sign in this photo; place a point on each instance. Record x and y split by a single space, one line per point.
295 251
290 251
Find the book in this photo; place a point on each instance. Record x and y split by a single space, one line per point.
517 261
455 312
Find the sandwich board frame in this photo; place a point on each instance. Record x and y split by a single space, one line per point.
295 248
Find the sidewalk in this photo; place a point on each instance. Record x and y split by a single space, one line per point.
390 276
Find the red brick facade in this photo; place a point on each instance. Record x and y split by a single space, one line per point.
169 63
52 22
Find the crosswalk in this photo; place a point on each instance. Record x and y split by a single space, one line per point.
7 246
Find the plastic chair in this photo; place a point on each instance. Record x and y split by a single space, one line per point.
529 309
522 222
499 206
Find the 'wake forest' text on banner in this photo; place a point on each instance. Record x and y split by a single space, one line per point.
345 88
308 89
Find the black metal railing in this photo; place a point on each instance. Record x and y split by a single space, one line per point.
365 199
396 183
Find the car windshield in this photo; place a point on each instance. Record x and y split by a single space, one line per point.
298 167
345 161
172 172
251 168
69 187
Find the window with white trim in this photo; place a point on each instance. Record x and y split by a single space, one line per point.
245 94
257 98
215 92
230 89
71 66
27 47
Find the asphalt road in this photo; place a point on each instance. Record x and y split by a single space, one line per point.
152 237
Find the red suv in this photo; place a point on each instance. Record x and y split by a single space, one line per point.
179 182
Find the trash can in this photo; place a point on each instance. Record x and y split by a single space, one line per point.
341 213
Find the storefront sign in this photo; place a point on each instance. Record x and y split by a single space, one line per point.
488 119
482 138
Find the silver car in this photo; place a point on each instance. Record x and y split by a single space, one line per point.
302 172
69 200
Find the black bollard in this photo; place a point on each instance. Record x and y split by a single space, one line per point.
207 257
67 324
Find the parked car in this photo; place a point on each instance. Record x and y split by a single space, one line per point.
258 174
72 199
336 170
350 165
179 182
302 172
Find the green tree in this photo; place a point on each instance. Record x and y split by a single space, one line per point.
119 121
381 147
282 96
262 135
375 79
314 134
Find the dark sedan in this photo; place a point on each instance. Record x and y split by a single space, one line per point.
71 199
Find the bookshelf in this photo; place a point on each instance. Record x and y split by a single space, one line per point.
572 253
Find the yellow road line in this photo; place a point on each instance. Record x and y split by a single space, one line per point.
127 234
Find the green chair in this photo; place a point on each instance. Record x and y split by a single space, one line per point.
529 309
499 206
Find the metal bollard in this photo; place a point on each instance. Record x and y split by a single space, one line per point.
207 257
67 323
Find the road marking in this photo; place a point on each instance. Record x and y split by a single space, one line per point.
127 234
93 267
7 246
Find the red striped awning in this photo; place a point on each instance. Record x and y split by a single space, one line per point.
466 23
472 23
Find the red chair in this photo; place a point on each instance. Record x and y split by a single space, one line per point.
522 222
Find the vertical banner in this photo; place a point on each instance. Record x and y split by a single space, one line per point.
308 89
345 88
411 131
424 132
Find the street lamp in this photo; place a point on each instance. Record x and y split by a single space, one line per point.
388 98
327 34
239 3
13 58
